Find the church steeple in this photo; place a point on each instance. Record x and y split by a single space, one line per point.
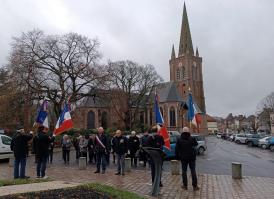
173 56
185 46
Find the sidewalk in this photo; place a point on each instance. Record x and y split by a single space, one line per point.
212 186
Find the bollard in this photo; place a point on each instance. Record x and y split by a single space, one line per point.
82 163
11 161
127 165
175 167
236 170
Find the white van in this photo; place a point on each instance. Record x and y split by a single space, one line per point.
5 151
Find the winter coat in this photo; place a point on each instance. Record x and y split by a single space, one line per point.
185 149
19 145
120 145
66 144
133 143
144 141
83 144
156 141
98 147
42 144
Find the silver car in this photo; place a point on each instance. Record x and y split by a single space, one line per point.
5 151
241 138
263 142
201 148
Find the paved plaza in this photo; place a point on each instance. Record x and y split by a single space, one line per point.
138 181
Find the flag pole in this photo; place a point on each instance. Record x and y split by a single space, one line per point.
190 123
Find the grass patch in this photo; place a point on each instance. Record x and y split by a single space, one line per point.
21 181
111 191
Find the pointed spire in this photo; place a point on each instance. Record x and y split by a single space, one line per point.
173 56
186 46
197 52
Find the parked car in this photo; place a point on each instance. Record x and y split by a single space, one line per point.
201 148
253 140
263 142
173 136
270 143
241 138
5 151
232 138
219 135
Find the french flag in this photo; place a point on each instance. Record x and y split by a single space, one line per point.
64 122
193 114
162 130
42 117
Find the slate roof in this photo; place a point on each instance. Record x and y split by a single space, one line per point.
168 92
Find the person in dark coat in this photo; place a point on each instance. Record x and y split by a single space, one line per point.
144 143
91 149
51 147
120 143
66 145
75 143
134 146
101 150
155 141
19 145
43 141
185 151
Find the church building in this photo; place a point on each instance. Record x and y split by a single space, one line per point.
186 75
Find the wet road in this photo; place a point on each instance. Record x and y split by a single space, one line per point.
221 153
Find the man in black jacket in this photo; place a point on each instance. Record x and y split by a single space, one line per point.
185 150
42 151
19 146
134 146
101 150
120 148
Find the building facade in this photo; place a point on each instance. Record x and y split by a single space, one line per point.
186 76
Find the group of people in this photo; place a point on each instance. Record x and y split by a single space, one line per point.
41 146
97 149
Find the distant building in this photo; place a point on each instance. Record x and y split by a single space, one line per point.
212 124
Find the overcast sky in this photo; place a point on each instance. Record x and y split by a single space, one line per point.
235 38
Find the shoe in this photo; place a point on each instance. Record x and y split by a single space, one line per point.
103 172
184 187
118 173
97 171
161 185
196 188
45 177
38 177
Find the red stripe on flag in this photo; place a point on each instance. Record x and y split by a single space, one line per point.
163 132
66 125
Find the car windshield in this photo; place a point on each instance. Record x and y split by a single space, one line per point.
198 138
6 140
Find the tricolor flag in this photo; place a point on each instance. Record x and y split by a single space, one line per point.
193 114
160 123
64 122
42 117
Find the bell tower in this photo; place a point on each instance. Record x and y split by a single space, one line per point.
186 68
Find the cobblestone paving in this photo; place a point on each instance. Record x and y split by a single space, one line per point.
138 181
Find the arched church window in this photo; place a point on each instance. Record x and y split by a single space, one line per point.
172 118
91 120
104 120
178 73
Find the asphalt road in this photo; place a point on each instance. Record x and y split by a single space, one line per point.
221 153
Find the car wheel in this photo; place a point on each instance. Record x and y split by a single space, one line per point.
271 148
201 150
263 146
250 144
238 141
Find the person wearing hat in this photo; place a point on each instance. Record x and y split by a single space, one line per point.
185 151
134 146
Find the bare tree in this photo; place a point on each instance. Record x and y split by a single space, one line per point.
59 67
131 83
